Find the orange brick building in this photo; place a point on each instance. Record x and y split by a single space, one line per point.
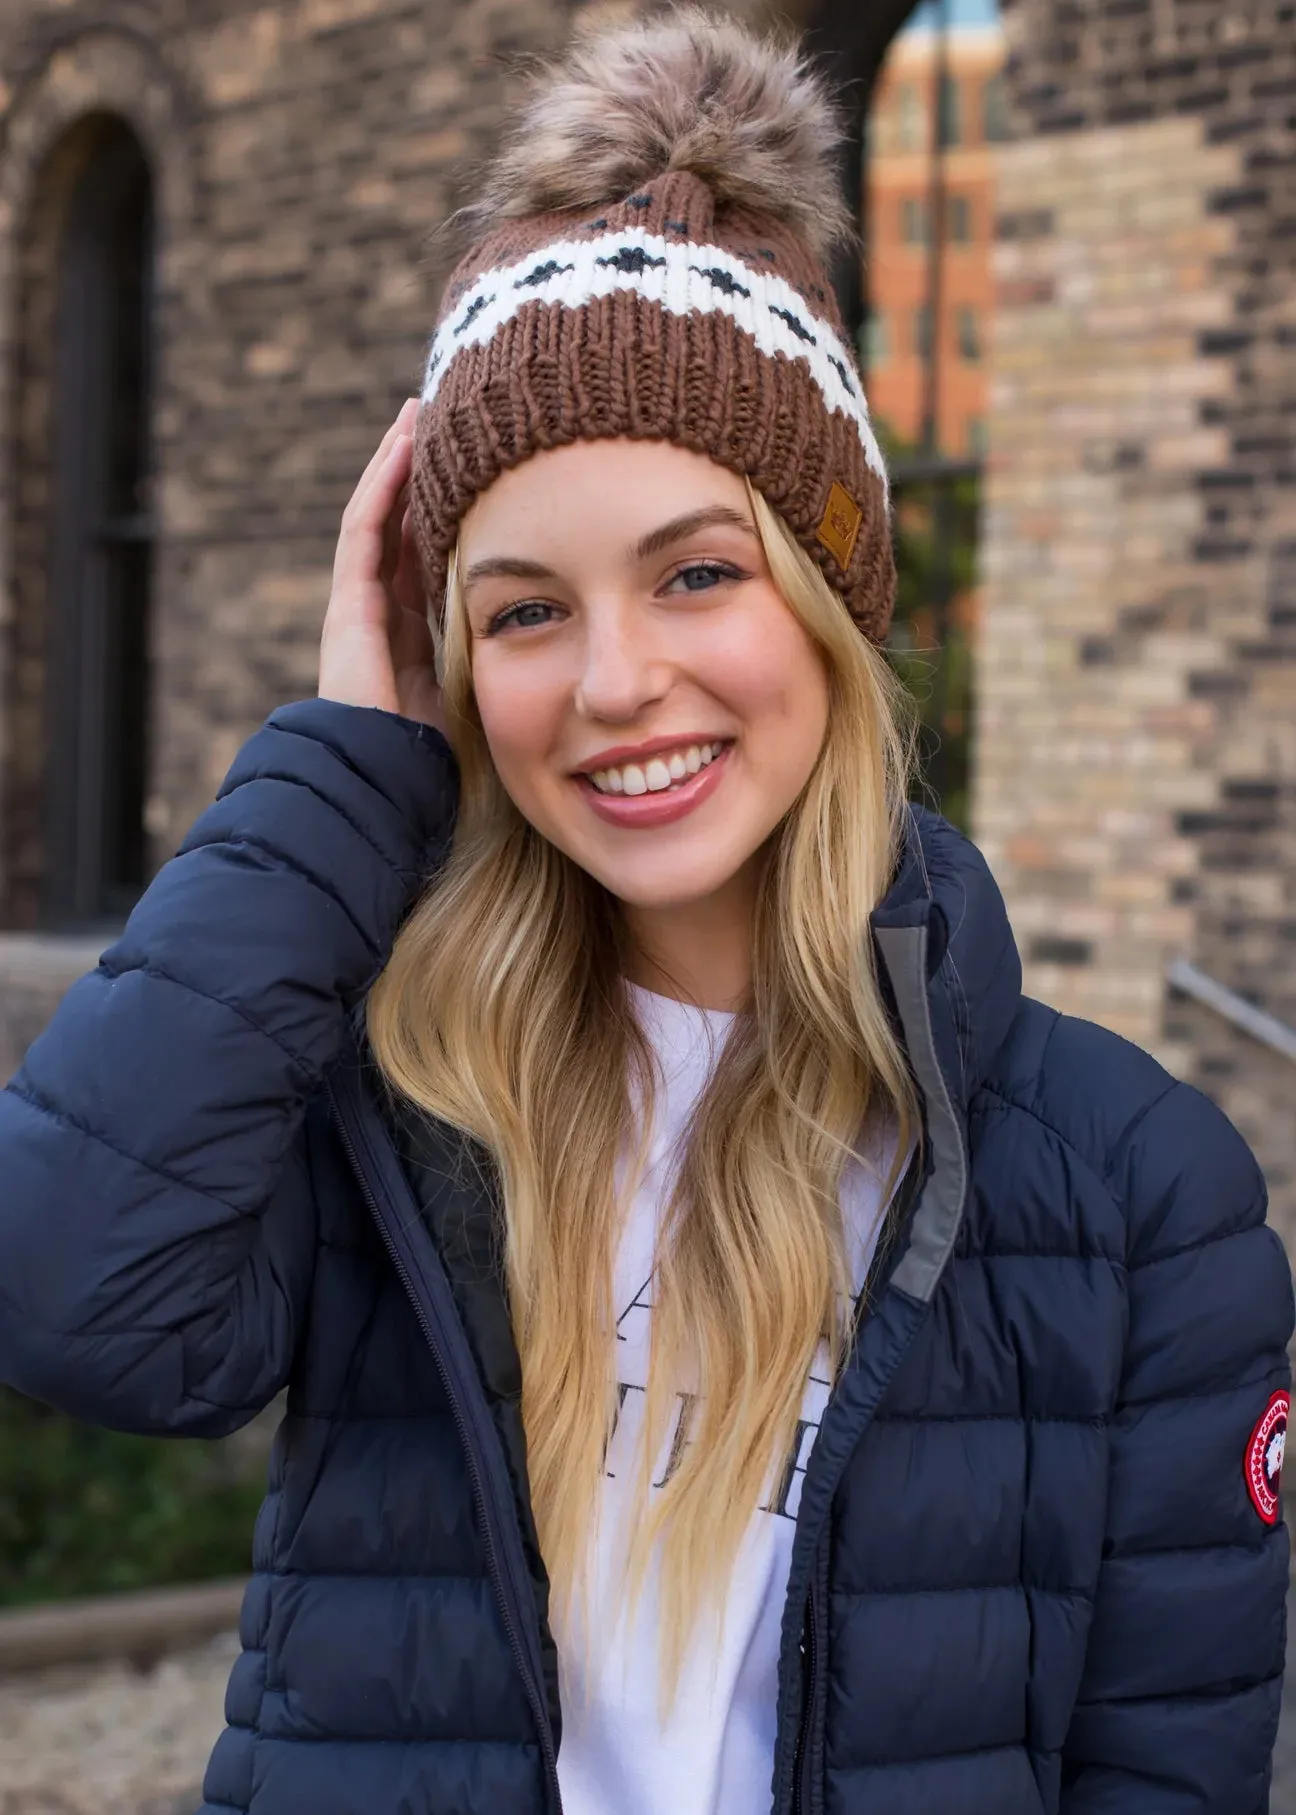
898 220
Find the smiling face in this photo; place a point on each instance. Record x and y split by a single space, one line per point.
651 704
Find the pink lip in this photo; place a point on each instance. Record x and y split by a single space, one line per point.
644 810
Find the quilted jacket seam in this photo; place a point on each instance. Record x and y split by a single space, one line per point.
1116 1261
1095 1418
217 1405
22 1089
1020 1586
1040 1063
1216 1693
114 1333
1026 1109
348 819
1104 1175
415 734
378 1739
1197 1247
932 1758
147 969
1136 1121
1174 1397
245 840
1193 1550
374 1575
305 1415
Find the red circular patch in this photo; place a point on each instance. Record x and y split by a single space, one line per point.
1264 1458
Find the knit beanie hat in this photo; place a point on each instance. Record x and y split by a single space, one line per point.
650 262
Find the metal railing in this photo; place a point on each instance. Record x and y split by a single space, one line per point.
1230 1006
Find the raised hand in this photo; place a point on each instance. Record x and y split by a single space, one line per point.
377 648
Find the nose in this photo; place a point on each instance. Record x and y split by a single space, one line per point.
622 670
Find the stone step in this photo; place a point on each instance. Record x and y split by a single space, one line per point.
35 971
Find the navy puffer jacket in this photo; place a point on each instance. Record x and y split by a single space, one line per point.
1028 1573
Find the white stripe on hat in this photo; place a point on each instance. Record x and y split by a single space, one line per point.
684 278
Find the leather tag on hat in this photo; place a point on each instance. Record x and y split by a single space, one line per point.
840 528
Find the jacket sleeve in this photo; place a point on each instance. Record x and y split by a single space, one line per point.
157 1223
1179 1705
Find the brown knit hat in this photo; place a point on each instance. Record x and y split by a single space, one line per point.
653 267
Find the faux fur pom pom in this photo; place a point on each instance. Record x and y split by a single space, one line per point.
681 90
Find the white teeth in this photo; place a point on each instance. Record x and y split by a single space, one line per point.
658 773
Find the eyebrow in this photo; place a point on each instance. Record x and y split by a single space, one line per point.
507 567
711 516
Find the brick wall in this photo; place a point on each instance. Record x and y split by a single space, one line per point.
303 153
1136 776
1136 760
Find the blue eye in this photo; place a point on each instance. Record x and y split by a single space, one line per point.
705 576
522 615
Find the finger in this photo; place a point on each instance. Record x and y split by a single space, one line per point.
360 546
403 424
388 482
408 588
391 536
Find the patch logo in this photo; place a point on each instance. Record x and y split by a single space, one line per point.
1264 1458
840 528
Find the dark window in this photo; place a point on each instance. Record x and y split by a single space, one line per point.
922 332
877 347
960 220
969 336
994 110
101 537
977 440
910 122
951 111
914 219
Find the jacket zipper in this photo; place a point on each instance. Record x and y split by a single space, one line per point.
802 1767
459 1381
801 1780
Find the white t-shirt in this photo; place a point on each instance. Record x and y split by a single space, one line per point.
715 1753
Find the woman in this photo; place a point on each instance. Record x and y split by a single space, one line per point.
723 1321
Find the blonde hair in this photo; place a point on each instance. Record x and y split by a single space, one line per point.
502 1011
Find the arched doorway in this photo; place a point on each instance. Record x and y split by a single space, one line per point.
99 534
920 127
850 43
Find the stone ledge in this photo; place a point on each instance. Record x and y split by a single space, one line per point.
139 1627
52 955
35 971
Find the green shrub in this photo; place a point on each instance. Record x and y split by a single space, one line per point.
937 529
86 1511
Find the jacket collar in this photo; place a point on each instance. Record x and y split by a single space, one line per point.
972 971
947 960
